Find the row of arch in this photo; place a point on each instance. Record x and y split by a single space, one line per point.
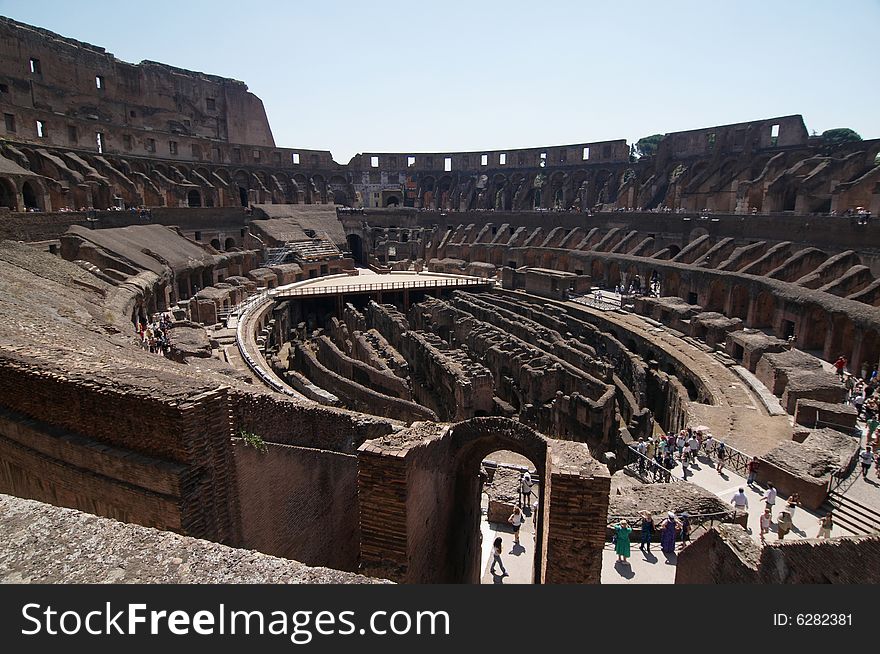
76 180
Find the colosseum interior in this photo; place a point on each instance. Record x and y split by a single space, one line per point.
342 370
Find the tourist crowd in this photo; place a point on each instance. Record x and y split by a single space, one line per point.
154 335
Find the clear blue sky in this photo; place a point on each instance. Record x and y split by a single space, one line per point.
410 76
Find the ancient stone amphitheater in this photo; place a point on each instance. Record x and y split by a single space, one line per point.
345 344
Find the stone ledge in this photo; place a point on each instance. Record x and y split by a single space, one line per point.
46 544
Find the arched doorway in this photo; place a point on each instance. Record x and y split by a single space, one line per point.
229 244
30 195
194 198
392 201
8 194
739 302
471 443
243 196
429 531
215 243
355 246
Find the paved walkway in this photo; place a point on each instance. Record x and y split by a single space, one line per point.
518 560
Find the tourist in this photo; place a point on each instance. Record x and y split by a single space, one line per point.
770 496
525 488
872 423
535 515
685 521
668 529
765 521
783 523
826 524
621 540
650 448
496 557
709 443
516 520
866 458
694 445
794 501
668 464
641 449
840 366
740 501
647 530
722 452
679 444
753 470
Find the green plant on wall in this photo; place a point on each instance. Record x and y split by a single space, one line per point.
253 440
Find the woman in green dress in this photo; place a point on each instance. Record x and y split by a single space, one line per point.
622 531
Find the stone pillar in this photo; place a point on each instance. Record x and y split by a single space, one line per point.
382 503
576 524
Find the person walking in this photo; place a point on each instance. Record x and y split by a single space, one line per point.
516 520
866 458
721 452
753 470
840 366
694 446
668 529
647 530
525 489
740 502
641 450
621 541
794 501
770 496
496 557
765 521
826 524
685 521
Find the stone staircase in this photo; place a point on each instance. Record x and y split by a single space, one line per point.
851 514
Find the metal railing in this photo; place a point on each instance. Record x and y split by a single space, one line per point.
646 469
733 458
695 521
383 286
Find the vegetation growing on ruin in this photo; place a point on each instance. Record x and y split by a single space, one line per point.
253 440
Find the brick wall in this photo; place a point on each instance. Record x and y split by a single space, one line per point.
299 503
113 429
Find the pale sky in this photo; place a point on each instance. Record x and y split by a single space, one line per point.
409 76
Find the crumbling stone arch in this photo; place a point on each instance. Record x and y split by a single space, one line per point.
8 194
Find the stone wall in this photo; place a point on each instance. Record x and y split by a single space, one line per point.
40 541
300 503
727 555
188 435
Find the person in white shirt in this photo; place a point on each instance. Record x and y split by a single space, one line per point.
694 444
740 501
516 519
770 496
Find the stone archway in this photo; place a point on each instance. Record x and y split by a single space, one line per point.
31 195
418 495
8 194
739 302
